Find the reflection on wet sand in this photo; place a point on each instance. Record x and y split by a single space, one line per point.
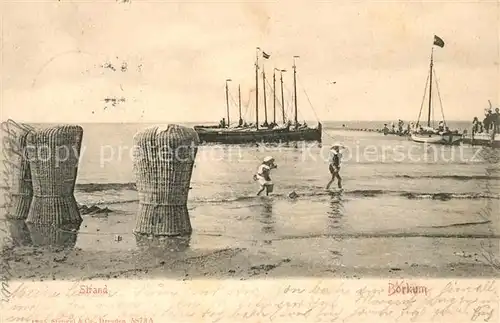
60 236
23 234
336 211
266 217
158 246
19 233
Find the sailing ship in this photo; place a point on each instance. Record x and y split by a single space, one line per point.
268 131
428 134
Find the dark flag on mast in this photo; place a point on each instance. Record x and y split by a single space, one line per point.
438 41
265 55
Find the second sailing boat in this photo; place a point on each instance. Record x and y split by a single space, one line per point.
427 134
267 132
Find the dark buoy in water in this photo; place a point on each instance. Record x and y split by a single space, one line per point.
293 195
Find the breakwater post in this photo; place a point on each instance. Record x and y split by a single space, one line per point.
163 164
53 154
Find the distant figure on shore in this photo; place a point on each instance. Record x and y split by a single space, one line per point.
409 126
441 126
400 126
475 125
385 129
496 120
487 121
334 165
263 175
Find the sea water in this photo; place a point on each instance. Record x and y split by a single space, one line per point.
392 187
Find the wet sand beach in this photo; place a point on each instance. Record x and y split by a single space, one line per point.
258 244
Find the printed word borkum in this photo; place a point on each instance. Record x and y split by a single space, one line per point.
90 290
403 288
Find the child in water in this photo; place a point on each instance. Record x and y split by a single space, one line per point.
334 165
263 175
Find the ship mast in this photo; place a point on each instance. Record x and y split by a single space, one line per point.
430 88
227 101
282 96
295 89
257 89
264 93
239 103
274 95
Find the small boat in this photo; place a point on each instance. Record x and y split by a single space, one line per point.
427 134
267 132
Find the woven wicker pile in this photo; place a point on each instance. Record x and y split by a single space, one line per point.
163 164
53 155
21 190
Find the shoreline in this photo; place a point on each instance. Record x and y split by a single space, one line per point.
249 250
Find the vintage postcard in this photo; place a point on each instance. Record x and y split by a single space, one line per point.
250 161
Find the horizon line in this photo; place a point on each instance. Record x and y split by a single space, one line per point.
211 122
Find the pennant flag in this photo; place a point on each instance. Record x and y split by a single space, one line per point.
438 41
265 55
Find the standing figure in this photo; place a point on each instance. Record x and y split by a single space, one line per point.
441 126
408 128
487 121
334 165
385 129
496 120
263 175
475 125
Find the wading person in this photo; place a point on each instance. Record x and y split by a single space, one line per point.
263 175
334 165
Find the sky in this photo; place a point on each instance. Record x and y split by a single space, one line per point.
179 54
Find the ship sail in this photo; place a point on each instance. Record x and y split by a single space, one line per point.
428 134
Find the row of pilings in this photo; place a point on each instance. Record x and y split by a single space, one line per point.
42 166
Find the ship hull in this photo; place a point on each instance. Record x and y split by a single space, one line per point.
437 139
255 136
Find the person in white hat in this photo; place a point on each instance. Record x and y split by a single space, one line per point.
334 165
263 175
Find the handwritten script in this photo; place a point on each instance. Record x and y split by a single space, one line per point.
257 301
